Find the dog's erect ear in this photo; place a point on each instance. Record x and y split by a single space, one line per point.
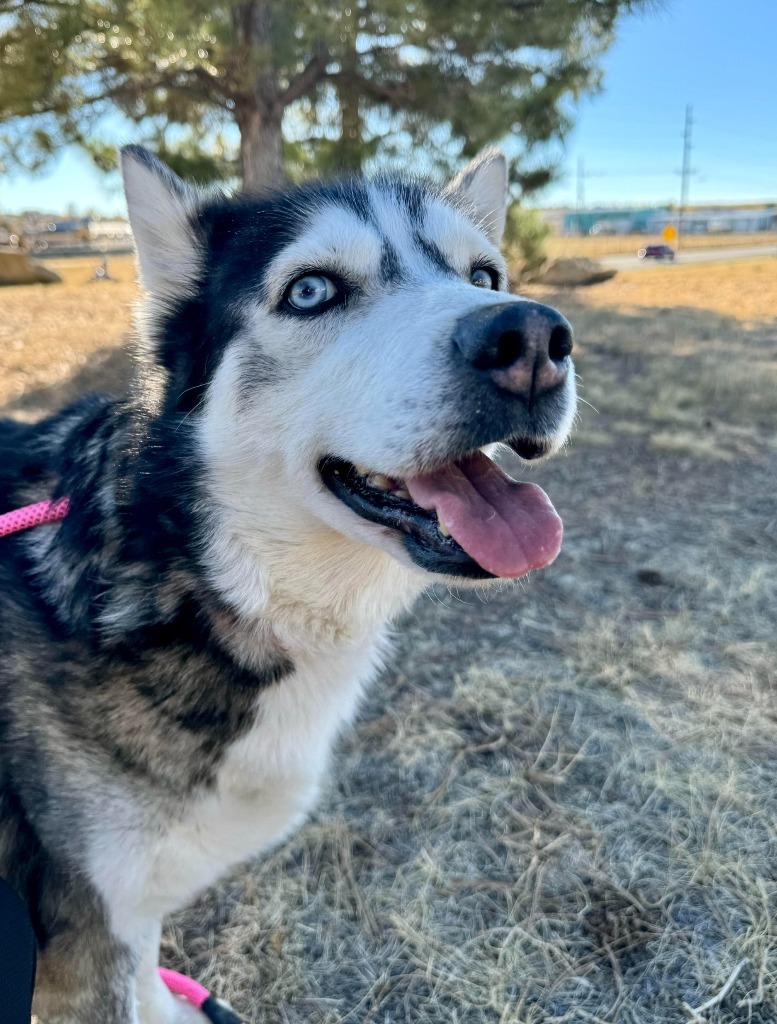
160 209
482 185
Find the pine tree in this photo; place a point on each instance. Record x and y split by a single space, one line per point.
343 81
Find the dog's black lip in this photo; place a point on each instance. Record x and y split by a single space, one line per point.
528 448
423 540
379 506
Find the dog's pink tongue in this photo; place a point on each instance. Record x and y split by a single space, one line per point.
509 528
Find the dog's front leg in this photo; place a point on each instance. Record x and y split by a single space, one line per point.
85 978
156 1004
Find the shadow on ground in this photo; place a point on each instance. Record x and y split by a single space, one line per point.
108 370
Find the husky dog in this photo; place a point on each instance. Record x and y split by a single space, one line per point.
323 376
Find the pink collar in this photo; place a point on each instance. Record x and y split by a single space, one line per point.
33 515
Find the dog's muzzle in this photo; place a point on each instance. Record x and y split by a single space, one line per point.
464 516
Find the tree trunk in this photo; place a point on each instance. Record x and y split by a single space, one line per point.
261 148
349 149
350 145
258 112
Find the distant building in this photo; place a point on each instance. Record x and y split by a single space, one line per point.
115 229
719 220
45 232
604 221
697 220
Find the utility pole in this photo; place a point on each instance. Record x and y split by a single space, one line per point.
582 174
686 172
580 185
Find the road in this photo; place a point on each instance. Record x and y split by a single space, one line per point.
734 252
113 247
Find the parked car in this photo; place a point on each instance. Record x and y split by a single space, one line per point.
656 252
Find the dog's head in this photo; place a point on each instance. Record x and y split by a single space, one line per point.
348 356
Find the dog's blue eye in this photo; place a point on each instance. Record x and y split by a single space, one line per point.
482 278
310 291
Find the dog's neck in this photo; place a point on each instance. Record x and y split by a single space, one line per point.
307 583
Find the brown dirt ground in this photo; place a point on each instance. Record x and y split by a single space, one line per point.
560 802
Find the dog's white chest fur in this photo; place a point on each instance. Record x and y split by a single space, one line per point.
267 783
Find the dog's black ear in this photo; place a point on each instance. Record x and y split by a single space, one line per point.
161 212
482 186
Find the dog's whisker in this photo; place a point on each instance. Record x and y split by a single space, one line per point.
585 402
194 387
188 414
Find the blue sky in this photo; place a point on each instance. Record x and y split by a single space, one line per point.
718 56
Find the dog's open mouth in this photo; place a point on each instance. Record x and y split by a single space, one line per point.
467 518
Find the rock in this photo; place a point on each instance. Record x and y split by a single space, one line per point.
572 272
17 268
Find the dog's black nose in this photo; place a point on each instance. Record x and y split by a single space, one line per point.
523 346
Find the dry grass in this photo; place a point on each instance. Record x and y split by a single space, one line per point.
612 245
50 332
745 289
560 804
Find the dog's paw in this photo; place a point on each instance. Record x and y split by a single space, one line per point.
185 1013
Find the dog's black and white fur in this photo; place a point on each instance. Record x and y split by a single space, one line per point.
178 655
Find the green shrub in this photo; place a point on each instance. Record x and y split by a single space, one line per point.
525 236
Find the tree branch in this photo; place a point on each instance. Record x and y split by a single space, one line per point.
129 90
57 107
307 79
214 89
193 81
394 93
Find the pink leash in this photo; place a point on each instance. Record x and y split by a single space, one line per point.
211 1008
214 1010
33 515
